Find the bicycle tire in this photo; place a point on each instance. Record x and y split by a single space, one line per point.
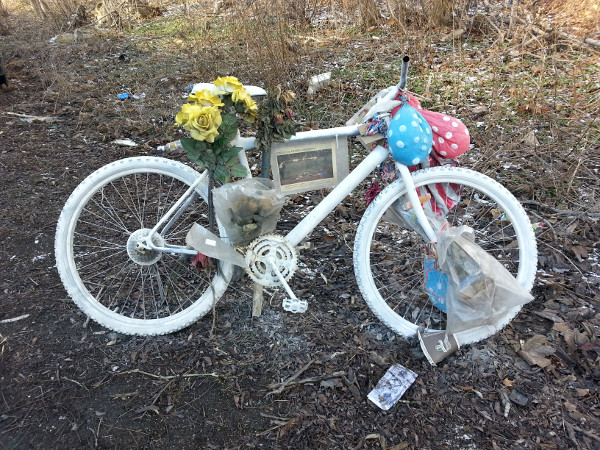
390 274
160 294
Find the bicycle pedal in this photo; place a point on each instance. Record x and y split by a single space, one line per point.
295 305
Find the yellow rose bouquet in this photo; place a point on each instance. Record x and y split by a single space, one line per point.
211 119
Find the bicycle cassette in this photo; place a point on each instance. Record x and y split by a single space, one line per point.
268 249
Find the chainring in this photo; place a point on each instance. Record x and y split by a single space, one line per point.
271 247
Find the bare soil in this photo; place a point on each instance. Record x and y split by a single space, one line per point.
66 382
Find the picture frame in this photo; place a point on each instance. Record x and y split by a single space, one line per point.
301 165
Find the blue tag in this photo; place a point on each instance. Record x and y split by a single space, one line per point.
436 283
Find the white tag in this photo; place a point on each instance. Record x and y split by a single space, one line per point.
210 242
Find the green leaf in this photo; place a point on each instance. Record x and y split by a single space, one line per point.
188 144
230 152
229 127
239 171
197 159
210 155
199 145
221 174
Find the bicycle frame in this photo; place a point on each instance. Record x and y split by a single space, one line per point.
378 155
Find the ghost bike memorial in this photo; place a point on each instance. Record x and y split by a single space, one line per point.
139 251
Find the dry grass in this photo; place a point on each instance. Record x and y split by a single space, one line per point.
525 82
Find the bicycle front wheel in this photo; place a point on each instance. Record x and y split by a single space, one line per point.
114 283
389 259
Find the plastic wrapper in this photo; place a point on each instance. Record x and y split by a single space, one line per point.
248 208
480 290
392 386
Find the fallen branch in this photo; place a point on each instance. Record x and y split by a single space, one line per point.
283 384
587 433
170 377
29 118
593 42
287 384
14 319
547 31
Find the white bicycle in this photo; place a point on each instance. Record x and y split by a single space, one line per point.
121 242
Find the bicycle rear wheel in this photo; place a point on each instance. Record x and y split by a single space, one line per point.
115 284
389 258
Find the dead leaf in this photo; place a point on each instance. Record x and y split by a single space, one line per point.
506 382
372 436
332 383
530 140
148 408
589 346
237 399
550 315
535 350
580 252
575 338
580 337
570 407
581 392
560 327
377 359
401 446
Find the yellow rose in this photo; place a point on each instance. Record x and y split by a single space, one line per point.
205 98
241 96
201 122
227 84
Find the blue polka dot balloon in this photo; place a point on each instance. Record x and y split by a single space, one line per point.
409 136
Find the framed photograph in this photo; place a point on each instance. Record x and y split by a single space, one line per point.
308 164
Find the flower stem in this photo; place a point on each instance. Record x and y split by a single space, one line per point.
211 206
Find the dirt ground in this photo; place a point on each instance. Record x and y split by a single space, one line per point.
69 383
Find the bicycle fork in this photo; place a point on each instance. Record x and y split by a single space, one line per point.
413 196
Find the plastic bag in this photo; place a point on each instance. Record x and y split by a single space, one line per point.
481 290
248 208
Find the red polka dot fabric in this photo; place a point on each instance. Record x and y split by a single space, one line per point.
450 139
450 136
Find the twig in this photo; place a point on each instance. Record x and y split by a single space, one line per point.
328 376
562 212
214 311
548 224
156 397
566 257
76 382
14 319
587 433
29 118
573 176
170 377
283 384
270 429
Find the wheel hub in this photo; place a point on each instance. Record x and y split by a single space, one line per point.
271 248
137 250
